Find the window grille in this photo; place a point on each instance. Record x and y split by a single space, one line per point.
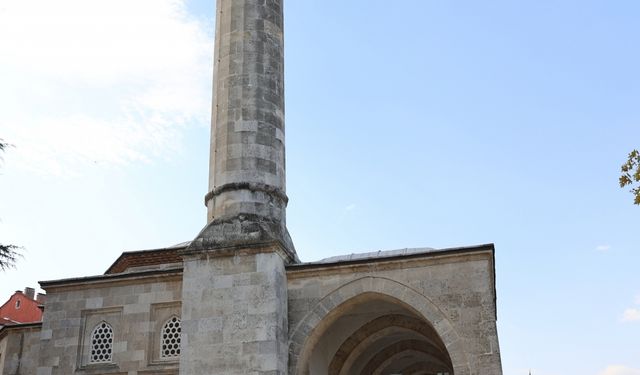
101 343
171 338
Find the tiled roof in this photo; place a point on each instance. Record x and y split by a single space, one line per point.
145 258
20 308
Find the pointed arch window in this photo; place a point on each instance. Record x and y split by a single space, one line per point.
102 343
170 345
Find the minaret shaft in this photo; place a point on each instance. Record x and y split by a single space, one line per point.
246 202
247 166
234 284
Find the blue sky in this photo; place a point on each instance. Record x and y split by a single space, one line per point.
409 124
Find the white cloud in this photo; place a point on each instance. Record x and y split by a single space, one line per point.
619 370
350 207
114 82
631 315
603 248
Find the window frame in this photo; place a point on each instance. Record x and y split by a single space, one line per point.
90 319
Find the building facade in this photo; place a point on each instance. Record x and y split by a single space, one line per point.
237 299
22 307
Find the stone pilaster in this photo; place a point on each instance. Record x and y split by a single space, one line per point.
234 313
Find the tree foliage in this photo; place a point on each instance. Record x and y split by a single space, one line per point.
631 175
8 253
8 256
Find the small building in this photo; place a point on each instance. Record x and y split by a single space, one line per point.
22 307
20 324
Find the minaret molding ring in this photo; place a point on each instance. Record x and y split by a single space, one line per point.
251 186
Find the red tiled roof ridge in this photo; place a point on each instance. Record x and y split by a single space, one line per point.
141 258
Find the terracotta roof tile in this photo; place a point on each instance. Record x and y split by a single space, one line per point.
144 258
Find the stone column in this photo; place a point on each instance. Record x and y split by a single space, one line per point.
234 294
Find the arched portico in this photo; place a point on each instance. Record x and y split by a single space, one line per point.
375 324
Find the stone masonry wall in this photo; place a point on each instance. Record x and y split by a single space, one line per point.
455 292
135 307
234 315
19 351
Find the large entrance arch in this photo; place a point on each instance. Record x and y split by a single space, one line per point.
376 325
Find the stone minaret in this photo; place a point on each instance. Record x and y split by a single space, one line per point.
234 296
246 201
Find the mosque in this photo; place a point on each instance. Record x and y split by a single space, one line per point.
237 299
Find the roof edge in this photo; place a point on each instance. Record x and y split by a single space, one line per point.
425 254
109 277
5 329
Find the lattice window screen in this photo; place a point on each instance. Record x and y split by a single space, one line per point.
101 343
171 338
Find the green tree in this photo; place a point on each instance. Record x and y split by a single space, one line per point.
631 175
8 253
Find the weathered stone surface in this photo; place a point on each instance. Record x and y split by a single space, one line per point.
244 312
454 294
241 325
242 231
19 349
247 200
136 308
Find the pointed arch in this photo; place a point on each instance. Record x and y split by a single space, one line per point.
378 326
170 338
306 334
101 343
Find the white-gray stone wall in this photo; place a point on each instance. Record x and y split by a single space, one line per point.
234 314
454 293
19 350
135 307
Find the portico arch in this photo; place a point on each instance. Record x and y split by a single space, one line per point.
380 327
368 292
393 353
